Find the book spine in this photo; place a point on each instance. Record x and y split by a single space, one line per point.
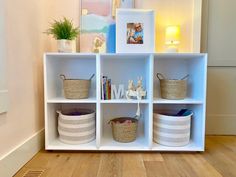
109 89
104 87
102 91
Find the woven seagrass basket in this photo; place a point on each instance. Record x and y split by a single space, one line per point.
76 88
173 89
124 132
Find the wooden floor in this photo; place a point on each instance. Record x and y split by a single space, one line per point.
219 159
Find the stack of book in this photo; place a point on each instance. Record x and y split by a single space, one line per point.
106 88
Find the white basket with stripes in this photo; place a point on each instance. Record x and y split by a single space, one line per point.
76 129
171 130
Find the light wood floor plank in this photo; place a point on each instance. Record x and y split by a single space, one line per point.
201 167
157 169
152 156
178 166
110 165
87 165
132 165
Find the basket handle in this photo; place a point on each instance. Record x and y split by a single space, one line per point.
160 76
62 76
185 77
58 112
91 77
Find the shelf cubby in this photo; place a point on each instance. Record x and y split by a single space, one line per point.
124 67
174 66
51 124
197 135
73 67
110 111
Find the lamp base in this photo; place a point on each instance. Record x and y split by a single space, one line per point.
172 49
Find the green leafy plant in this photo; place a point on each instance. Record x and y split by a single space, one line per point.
63 29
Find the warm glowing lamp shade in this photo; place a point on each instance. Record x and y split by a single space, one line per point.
172 38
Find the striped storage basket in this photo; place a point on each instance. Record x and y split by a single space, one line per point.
76 127
171 130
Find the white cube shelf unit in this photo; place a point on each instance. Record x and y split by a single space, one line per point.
121 68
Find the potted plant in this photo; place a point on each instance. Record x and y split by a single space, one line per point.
65 33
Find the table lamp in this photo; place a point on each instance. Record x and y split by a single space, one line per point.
172 38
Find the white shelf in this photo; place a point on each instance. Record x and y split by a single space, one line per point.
120 68
184 101
192 146
58 145
124 101
64 100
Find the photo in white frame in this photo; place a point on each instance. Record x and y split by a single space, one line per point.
135 31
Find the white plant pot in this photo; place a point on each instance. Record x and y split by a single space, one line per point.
66 46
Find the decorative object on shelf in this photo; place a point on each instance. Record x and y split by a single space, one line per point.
173 89
167 130
124 129
76 88
136 92
172 38
65 33
135 31
117 94
97 27
77 126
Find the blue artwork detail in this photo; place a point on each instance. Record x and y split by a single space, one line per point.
111 39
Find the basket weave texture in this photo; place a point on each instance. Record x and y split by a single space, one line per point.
124 132
76 88
172 89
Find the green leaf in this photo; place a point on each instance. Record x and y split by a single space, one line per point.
63 29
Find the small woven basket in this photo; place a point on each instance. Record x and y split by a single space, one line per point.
124 132
76 88
173 89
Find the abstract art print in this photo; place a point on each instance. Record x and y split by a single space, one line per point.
97 24
95 21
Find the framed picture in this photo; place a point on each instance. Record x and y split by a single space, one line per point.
135 31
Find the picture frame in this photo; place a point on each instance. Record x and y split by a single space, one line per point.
135 31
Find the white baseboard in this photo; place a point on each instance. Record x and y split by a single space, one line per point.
221 124
18 157
3 101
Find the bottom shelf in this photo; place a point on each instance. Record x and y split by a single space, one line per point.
108 144
58 145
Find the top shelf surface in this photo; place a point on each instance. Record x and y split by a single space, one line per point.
163 55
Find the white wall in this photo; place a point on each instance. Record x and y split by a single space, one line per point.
218 41
2 47
24 49
172 12
25 44
3 87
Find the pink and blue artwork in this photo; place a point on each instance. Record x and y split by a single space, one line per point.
96 24
98 33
